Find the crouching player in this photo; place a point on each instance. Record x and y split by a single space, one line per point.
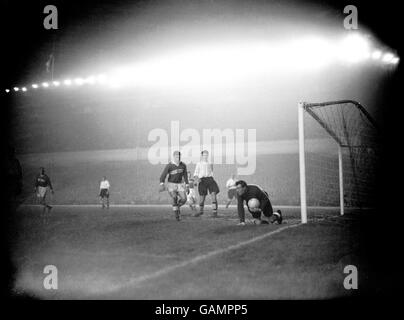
177 175
246 193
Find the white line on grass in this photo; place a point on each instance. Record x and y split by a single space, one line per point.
138 280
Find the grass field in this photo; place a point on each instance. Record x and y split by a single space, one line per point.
137 252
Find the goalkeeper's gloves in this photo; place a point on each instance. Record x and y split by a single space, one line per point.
162 187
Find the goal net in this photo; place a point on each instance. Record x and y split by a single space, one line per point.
338 155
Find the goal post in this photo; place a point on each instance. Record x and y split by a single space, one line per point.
341 140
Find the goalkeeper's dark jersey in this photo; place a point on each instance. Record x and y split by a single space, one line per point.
176 173
252 191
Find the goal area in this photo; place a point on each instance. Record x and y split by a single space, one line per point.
338 156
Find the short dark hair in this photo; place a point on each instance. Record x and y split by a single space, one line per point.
204 151
242 183
176 152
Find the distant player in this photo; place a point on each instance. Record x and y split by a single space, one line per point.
42 184
191 197
204 175
177 176
104 192
231 189
247 192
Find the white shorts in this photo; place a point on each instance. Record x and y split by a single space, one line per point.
41 191
191 195
179 187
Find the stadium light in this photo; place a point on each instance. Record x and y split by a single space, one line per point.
101 78
90 80
354 48
7 90
78 81
223 63
388 57
24 89
16 89
376 55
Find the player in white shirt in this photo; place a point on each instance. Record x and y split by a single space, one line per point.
104 192
231 189
204 175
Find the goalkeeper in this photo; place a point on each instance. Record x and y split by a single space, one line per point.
177 175
246 193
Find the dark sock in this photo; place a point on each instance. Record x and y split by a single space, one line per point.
214 207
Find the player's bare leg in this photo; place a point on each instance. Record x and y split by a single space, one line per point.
192 204
102 202
214 204
201 206
175 205
45 208
181 198
228 203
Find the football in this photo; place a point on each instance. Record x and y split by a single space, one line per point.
253 203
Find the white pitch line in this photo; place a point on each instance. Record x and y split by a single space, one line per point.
136 281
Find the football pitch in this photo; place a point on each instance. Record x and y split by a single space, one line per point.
142 252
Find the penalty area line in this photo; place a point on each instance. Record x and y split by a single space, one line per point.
138 280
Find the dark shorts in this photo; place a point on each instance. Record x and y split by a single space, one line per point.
231 193
206 185
104 193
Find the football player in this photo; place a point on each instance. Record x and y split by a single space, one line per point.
247 192
204 175
191 197
42 183
177 175
231 190
104 192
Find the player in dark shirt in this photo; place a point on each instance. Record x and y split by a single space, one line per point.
42 183
245 193
177 175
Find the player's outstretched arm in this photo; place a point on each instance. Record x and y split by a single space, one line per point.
163 178
185 175
240 209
